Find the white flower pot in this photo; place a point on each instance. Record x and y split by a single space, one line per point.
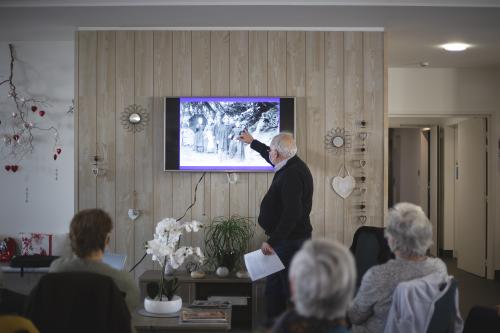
163 306
222 271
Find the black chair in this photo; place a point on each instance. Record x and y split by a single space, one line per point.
369 248
443 318
482 319
78 302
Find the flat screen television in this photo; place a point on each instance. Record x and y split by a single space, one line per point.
201 132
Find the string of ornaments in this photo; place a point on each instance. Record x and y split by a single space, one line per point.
18 127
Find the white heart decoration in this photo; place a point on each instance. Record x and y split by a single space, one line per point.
343 185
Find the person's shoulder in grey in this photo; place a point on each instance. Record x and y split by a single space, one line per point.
122 279
409 235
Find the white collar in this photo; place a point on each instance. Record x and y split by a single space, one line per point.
280 165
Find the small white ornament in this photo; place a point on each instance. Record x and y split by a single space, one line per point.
242 274
222 271
197 274
133 213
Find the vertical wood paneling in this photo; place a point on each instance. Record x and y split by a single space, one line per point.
353 106
276 70
219 190
143 142
337 79
257 63
334 118
162 185
201 87
238 76
276 63
296 86
257 86
125 242
105 125
87 81
181 181
373 105
315 85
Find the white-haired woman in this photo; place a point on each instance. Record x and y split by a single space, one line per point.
409 234
322 281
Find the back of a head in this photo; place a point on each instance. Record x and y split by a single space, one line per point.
88 231
285 145
323 279
409 229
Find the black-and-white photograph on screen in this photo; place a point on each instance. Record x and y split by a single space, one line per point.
209 130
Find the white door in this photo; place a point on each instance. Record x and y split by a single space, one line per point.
470 196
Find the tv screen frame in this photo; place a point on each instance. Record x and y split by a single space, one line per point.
173 124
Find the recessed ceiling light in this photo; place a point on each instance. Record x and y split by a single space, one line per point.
455 47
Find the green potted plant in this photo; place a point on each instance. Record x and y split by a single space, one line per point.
226 241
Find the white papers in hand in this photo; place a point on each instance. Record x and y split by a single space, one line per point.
259 265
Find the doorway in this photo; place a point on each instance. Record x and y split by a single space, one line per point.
440 164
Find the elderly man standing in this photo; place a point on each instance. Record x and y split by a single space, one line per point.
284 212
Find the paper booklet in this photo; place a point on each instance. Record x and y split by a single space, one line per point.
203 316
259 265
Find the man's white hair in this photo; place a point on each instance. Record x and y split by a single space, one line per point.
409 229
323 278
284 144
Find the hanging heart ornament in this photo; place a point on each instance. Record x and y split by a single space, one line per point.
343 186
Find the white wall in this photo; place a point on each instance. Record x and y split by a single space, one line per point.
44 70
454 92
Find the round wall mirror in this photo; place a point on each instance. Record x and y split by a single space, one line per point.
134 118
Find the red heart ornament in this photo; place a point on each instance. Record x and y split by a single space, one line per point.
41 113
34 108
7 167
55 157
58 150
14 167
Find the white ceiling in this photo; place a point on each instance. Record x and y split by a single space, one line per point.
414 28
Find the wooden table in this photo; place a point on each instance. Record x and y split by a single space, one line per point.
190 289
145 324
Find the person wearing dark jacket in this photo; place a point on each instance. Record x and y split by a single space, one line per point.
284 212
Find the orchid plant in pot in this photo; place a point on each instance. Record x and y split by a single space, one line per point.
164 249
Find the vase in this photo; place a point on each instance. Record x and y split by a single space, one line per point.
164 306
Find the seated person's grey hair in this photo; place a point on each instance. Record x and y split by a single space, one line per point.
284 144
410 230
323 278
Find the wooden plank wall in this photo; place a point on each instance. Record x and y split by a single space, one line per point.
336 77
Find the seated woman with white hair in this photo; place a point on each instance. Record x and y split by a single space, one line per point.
409 234
322 281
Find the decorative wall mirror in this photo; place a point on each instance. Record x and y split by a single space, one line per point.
134 118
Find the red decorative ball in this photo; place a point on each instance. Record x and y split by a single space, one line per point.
34 108
14 167
7 167
41 113
58 150
55 157
15 137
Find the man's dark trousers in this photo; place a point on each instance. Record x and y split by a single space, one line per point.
277 291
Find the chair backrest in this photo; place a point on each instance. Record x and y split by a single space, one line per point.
77 302
369 248
482 319
443 318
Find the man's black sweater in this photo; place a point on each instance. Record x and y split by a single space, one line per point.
285 209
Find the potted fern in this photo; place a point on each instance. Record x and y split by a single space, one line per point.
226 241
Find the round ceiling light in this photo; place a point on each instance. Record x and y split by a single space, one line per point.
455 47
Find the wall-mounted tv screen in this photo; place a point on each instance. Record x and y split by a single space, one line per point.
201 132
